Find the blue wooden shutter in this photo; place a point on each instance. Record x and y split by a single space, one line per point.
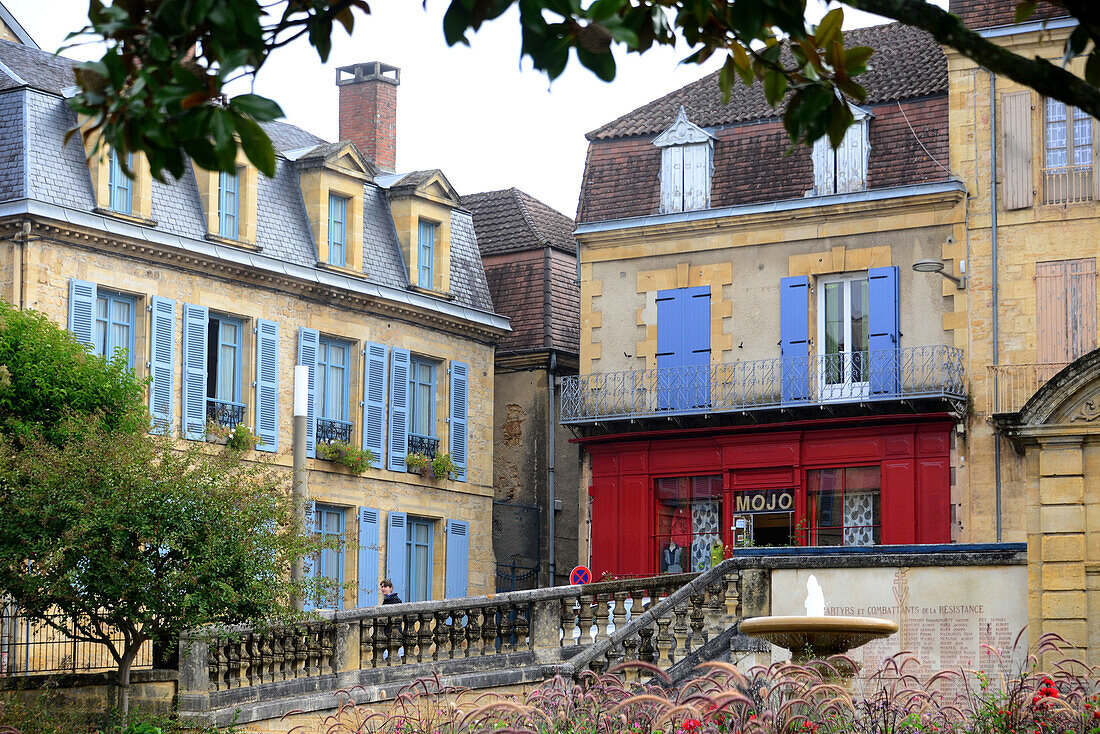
883 317
82 296
670 350
458 559
194 371
162 362
368 557
228 204
374 404
309 341
399 408
696 345
794 338
460 396
267 384
396 550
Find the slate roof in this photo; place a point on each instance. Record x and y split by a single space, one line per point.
907 64
510 220
46 169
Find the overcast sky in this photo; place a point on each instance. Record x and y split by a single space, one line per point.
476 113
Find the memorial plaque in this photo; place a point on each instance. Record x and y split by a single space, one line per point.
945 614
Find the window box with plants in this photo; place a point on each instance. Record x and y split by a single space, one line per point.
341 452
440 466
238 438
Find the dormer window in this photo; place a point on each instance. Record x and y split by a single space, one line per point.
120 185
426 256
687 165
844 169
229 204
337 230
229 201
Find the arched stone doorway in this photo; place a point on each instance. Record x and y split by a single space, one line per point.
1058 434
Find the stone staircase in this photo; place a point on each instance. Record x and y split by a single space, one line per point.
491 642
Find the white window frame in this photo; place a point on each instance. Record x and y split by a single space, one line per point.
846 389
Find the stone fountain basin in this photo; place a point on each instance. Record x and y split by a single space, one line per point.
823 636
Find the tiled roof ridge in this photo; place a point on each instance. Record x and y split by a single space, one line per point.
891 81
525 212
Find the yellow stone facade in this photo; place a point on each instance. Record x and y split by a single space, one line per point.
993 504
37 264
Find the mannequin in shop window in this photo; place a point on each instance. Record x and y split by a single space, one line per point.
672 558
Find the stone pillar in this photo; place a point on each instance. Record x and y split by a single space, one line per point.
346 654
545 630
1056 548
194 680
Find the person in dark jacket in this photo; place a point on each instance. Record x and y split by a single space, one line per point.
388 596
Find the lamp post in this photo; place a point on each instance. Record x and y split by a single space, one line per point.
932 265
300 487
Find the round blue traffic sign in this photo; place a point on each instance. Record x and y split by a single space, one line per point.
580 575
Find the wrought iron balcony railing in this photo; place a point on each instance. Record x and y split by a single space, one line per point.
426 445
1014 384
224 413
1067 184
330 430
892 374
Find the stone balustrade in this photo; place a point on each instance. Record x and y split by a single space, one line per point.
529 634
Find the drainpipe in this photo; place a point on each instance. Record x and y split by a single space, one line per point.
993 264
550 420
299 487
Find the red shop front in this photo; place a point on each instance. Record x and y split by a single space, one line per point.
662 500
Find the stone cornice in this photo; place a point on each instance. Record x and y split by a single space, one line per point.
369 299
863 205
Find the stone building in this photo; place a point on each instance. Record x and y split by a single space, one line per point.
759 361
530 260
1029 320
217 285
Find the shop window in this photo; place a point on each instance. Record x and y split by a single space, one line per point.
224 404
845 506
689 522
1067 154
842 317
418 546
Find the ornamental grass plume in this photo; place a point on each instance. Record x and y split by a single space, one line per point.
1008 696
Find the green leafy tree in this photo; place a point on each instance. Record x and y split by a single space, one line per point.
160 86
120 533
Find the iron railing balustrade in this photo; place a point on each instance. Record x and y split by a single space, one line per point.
330 430
891 374
224 413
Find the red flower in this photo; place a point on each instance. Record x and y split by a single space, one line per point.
690 724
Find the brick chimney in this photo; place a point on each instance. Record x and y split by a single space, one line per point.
368 110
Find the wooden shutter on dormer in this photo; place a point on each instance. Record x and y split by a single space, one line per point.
672 179
824 160
696 177
851 159
1016 181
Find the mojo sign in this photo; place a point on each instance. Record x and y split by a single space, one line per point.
763 500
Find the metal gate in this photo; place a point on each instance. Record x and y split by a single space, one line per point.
517 541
